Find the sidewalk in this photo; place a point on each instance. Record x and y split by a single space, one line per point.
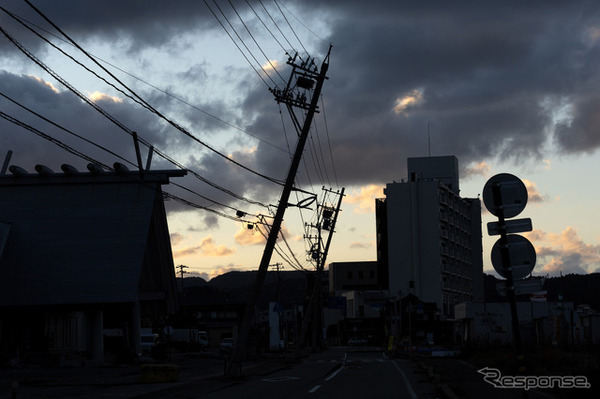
123 381
457 378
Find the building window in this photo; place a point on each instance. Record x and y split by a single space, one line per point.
371 274
361 275
350 275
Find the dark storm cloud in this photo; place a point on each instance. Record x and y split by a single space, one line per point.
141 24
481 78
68 111
484 70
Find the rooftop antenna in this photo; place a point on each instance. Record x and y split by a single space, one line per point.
428 141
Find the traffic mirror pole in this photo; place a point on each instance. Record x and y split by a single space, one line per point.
510 285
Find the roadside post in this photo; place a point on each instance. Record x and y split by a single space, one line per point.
513 256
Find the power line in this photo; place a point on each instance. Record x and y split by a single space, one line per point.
68 55
238 47
303 24
79 154
28 25
63 128
50 138
266 27
152 109
114 120
255 42
329 141
277 25
290 25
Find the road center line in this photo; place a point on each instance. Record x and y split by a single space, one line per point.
334 373
314 389
411 391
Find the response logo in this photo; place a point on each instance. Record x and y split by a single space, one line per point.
494 377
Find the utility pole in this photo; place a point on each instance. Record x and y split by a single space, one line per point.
182 272
306 76
314 307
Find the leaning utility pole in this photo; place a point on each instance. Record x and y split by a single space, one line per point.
313 310
306 76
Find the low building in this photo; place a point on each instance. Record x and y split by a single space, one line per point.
359 275
85 260
541 323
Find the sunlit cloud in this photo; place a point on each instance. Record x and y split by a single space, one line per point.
202 275
48 84
206 248
534 195
479 169
404 103
591 35
222 270
547 164
243 152
270 67
98 96
364 200
250 234
361 245
564 252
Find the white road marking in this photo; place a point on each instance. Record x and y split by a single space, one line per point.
278 379
411 391
334 374
314 389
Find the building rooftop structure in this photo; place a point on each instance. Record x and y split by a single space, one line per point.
81 240
429 237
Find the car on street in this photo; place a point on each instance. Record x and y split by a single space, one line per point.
226 345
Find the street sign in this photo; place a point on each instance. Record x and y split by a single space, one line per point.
511 226
505 192
528 286
521 256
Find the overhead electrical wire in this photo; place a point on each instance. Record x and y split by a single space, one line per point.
293 261
290 25
22 124
28 24
234 42
152 109
116 121
69 56
329 141
302 23
90 159
62 128
314 152
255 42
277 25
49 138
266 27
146 105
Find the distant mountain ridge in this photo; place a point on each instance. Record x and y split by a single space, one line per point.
577 288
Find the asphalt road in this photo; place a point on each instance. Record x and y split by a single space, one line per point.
339 372
343 372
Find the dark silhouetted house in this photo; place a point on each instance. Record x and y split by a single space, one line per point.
85 262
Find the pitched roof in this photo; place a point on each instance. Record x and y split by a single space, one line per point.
76 238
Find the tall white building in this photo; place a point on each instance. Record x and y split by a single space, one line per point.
430 237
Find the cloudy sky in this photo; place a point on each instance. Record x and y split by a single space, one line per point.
507 87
